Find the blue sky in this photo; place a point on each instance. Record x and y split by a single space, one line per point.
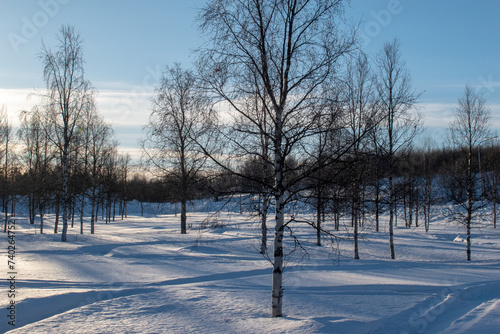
446 44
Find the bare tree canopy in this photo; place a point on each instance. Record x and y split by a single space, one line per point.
397 99
67 98
362 116
468 132
282 53
180 116
471 126
291 47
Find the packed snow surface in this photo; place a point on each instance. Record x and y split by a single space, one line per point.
140 275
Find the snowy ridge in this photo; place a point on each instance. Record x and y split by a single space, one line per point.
445 311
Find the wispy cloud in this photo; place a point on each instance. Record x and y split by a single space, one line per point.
118 107
125 108
128 110
436 114
485 84
440 114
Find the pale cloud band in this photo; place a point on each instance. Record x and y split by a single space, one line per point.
128 112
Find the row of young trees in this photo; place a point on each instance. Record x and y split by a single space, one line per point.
282 98
66 157
284 103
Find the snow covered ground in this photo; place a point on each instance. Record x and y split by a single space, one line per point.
141 275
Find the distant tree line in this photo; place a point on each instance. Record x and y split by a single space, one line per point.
96 172
66 158
425 176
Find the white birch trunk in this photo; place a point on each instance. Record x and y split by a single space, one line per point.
277 282
65 195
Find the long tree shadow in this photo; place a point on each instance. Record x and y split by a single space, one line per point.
32 310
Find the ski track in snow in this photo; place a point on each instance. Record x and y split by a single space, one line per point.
141 276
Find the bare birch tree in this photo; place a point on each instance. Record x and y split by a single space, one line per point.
37 155
180 116
397 100
292 48
467 133
123 174
362 116
100 147
68 95
427 191
95 140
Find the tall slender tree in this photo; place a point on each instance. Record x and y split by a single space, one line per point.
124 170
101 146
68 95
180 116
362 116
467 133
292 47
397 100
37 155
